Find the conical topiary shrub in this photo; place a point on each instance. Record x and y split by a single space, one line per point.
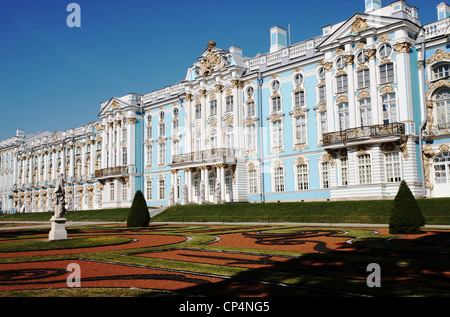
406 216
138 215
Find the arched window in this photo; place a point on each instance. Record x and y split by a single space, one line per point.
442 98
441 71
442 168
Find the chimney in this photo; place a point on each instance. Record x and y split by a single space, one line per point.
20 133
443 11
278 38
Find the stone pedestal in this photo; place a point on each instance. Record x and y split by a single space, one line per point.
58 230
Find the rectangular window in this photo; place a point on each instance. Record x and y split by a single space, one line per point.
162 129
149 132
277 134
176 127
252 182
393 172
326 175
279 179
198 111
300 130
124 191
149 190
344 171
388 103
149 155
365 112
323 123
162 154
341 84
386 73
251 137
363 77
175 147
299 99
213 107
322 94
302 177
343 114
229 103
111 192
276 104
162 189
251 110
365 169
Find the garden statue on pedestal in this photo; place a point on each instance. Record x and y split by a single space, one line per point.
58 222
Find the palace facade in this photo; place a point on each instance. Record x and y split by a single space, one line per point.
344 115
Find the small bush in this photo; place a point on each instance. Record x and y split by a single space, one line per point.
406 217
138 215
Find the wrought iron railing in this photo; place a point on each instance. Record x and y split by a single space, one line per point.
221 154
380 130
111 171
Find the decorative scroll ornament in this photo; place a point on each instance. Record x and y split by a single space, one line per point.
438 56
359 25
212 62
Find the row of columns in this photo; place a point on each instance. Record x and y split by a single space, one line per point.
188 195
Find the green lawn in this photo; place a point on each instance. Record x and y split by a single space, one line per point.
435 211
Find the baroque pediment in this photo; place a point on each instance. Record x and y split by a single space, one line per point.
212 60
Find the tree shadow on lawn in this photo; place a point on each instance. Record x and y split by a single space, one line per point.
408 267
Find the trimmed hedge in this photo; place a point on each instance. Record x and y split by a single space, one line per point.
406 217
138 215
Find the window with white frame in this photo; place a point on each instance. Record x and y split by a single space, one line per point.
363 78
124 191
111 192
213 107
298 80
149 132
176 127
229 137
228 103
251 110
162 153
175 147
278 178
149 155
392 165
385 50
344 171
322 94
343 116
162 129
299 99
250 137
149 189
275 86
277 133
124 156
161 188
323 123
361 57
365 112
302 174
325 171
389 106
443 107
276 103
441 71
340 62
212 182
228 182
300 130
386 73
341 83
197 142
213 139
252 181
198 111
364 169
124 134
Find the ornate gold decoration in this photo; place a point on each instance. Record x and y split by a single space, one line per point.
188 97
360 44
404 148
386 89
338 51
328 66
301 160
359 25
444 148
327 157
212 62
436 85
363 94
384 38
438 56
299 147
219 88
349 59
202 93
402 47
322 108
371 53
251 166
342 98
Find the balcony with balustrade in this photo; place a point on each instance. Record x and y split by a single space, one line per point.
206 157
363 134
112 172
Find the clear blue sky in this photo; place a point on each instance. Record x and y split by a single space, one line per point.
54 77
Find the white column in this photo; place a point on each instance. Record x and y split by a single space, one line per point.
206 171
71 165
329 95
374 105
353 108
222 181
237 138
188 140
203 120
404 81
219 90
